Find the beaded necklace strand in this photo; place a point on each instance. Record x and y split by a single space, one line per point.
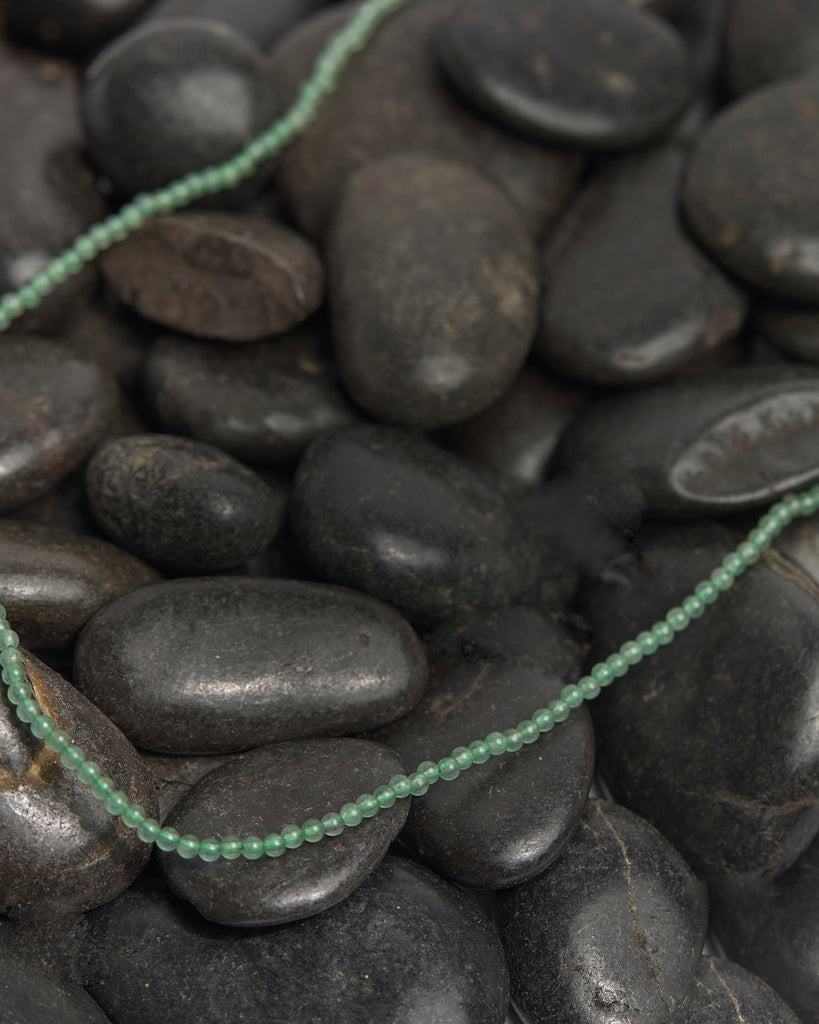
179 194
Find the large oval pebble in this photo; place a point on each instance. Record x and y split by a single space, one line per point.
180 504
236 277
725 993
222 664
434 289
393 515
404 947
612 312
263 403
30 996
749 188
611 933
674 741
91 856
504 821
714 443
53 580
589 73
391 100
54 408
770 39
262 791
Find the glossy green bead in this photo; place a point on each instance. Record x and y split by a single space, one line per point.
102 787
293 836
543 719
677 619
11 674
647 642
132 216
367 804
19 692
722 579
8 638
448 768
418 784
351 815
480 751
429 770
496 743
11 306
572 695
209 850
89 772
43 726
706 592
463 757
631 652
188 847
252 847
513 740
693 606
28 710
312 830
59 741
230 847
733 565
116 803
179 193
274 845
528 730
663 633
149 830
748 552
333 823
400 785
589 687
761 537
72 262
560 710
167 838
779 517
99 236
602 673
618 664
73 756
28 296
134 816
84 248
385 796
10 656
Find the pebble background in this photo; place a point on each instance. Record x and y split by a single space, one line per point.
373 455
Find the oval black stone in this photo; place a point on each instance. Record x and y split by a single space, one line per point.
714 443
748 190
504 821
404 943
391 100
704 740
725 993
72 25
613 313
770 39
91 856
54 408
235 277
261 402
52 580
261 792
594 73
433 288
393 515
222 664
180 504
167 98
30 996
611 933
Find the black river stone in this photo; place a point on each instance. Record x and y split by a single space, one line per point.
772 928
392 99
611 933
391 514
502 822
261 792
53 580
91 856
54 409
166 98
433 288
674 740
263 402
594 73
749 188
714 443
235 277
790 327
174 776
54 193
405 946
30 996
222 664
613 313
180 504
72 25
262 22
725 993
770 39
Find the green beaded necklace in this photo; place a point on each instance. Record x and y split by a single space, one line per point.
175 196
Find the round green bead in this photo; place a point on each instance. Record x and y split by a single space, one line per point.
230 848
400 785
513 740
84 248
11 656
631 652
529 732
134 816
103 787
333 823
589 687
463 757
448 768
663 633
706 592
618 664
677 619
12 674
602 673
543 719
209 850
351 815
148 830
28 296
188 847
693 606
312 830
167 839
8 638
418 784
733 565
429 770
572 695
89 772
252 847
72 262
274 845
19 692
560 710
647 642
293 836
72 757
367 804
43 726
28 710
385 796
480 751
748 553
11 306
496 743
116 803
59 741
722 579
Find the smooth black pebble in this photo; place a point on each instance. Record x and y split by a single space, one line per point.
612 312
222 664
263 403
91 856
405 948
433 289
611 933
261 792
235 277
502 822
180 504
28 995
592 73
725 993
770 39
